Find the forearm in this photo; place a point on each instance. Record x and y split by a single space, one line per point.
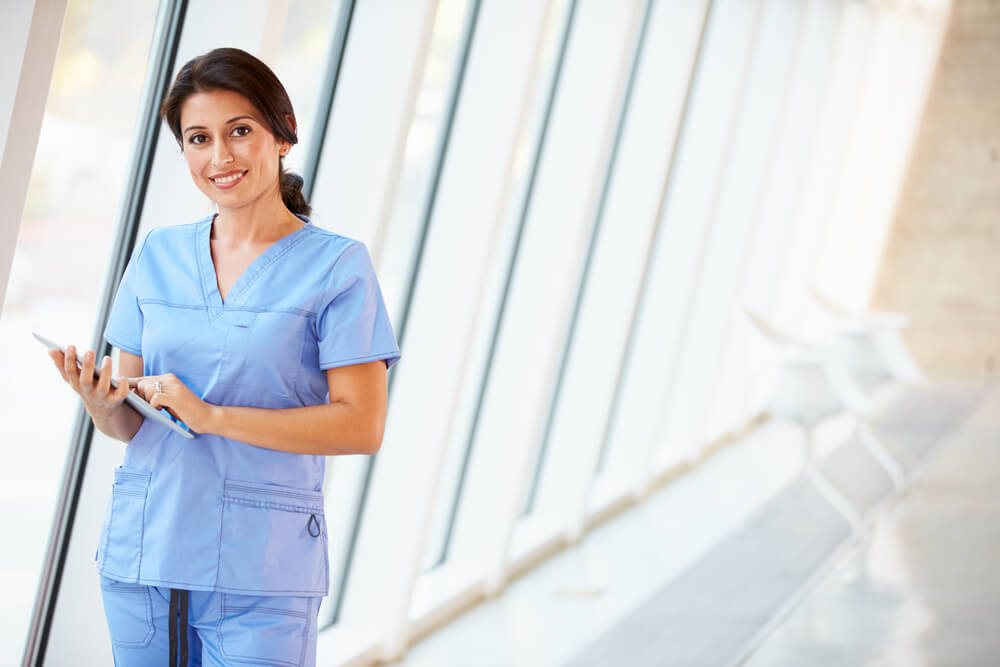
330 429
121 424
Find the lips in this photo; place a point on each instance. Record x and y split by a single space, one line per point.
228 180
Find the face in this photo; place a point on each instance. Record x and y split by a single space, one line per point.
230 151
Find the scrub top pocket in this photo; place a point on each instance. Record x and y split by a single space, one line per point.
273 540
274 354
122 538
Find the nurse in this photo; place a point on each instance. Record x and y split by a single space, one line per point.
268 337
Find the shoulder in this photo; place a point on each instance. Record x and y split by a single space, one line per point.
340 250
341 262
171 235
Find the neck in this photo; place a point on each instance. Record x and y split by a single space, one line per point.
263 221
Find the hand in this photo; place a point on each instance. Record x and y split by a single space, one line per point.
99 398
174 395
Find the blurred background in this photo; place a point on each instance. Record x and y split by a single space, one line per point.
634 251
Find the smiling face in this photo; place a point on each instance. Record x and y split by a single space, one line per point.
230 150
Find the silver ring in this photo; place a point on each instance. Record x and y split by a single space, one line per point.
157 386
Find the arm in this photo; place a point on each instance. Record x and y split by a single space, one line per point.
352 423
123 423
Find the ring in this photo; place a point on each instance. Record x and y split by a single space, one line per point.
158 386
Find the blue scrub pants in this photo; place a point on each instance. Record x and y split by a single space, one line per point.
221 629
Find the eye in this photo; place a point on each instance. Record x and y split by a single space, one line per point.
197 138
241 130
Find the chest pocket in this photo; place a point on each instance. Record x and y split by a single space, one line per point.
273 353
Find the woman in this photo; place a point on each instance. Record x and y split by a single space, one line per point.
269 338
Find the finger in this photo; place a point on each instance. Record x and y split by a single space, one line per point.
157 403
69 368
87 371
104 381
123 388
58 359
133 385
145 389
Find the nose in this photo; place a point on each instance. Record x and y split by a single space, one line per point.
221 153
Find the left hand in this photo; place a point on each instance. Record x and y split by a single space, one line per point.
182 403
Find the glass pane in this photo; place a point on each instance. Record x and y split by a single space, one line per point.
730 226
716 99
405 226
827 166
561 221
652 357
746 357
368 124
58 275
396 240
612 286
485 133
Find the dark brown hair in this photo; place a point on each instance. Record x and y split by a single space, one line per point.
240 72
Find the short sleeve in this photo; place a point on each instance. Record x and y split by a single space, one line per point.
352 325
124 327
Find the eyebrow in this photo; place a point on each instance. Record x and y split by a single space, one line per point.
202 127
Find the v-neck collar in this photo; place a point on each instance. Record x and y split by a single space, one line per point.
236 294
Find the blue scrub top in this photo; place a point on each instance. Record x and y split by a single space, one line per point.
212 513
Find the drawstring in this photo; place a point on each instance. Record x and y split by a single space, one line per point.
178 616
313 521
172 616
182 629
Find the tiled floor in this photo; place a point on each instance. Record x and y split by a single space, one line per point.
676 576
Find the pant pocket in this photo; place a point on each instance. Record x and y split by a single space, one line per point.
129 610
267 630
122 537
273 540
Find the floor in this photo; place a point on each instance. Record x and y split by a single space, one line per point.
921 586
741 561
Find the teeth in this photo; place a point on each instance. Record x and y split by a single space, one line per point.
228 179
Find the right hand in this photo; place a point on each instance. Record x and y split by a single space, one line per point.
99 398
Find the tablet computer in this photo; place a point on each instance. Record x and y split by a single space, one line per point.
132 398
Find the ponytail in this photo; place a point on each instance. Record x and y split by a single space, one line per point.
291 192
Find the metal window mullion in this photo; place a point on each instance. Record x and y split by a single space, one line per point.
164 55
